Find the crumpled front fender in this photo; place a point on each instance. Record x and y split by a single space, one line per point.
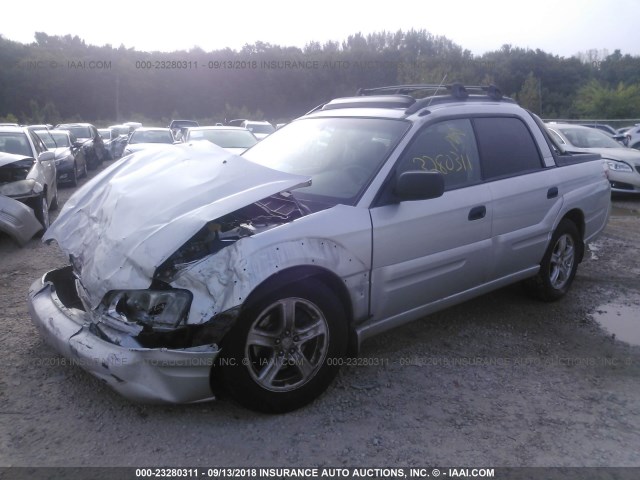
17 220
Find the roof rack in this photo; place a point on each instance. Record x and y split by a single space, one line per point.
456 90
398 96
373 101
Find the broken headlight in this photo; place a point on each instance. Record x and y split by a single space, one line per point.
156 308
21 188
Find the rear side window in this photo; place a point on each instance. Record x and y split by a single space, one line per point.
506 147
447 147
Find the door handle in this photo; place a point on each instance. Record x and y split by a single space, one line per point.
552 192
476 213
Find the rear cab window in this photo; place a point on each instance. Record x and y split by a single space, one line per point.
506 147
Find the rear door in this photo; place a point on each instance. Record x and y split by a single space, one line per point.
525 196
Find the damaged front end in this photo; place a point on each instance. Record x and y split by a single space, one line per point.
19 191
116 310
108 348
17 220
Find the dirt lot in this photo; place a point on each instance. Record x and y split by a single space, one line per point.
499 381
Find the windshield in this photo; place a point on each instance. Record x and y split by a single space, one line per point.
15 143
151 136
225 138
341 155
260 128
589 138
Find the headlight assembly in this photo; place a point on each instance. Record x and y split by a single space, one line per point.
160 309
616 166
21 188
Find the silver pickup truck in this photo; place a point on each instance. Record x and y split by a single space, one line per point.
192 268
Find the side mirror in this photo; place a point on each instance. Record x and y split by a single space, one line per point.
47 156
622 138
419 185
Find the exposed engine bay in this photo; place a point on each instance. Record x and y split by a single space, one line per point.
214 236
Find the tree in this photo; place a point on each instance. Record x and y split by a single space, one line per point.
599 101
530 94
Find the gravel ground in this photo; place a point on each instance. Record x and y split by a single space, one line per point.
502 380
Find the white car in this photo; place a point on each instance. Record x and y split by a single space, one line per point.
142 138
633 134
260 129
623 162
28 171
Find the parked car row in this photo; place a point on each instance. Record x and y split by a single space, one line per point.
28 183
35 159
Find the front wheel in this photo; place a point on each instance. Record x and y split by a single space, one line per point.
74 176
559 264
284 350
41 210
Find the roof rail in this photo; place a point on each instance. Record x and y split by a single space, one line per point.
456 90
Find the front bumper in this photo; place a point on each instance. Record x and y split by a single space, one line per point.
65 171
141 374
17 220
625 182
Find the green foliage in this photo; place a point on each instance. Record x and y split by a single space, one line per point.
61 78
596 100
530 94
9 118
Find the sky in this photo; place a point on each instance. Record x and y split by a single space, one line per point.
559 27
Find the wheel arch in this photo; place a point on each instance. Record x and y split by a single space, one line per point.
303 272
576 216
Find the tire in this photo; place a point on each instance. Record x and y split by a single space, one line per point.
92 161
74 176
54 201
41 210
559 264
276 362
84 170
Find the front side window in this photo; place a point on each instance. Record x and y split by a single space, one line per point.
62 139
506 147
446 147
47 138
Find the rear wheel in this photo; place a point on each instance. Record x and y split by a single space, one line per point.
283 351
559 264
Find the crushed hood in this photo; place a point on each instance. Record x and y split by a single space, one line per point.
120 226
9 158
